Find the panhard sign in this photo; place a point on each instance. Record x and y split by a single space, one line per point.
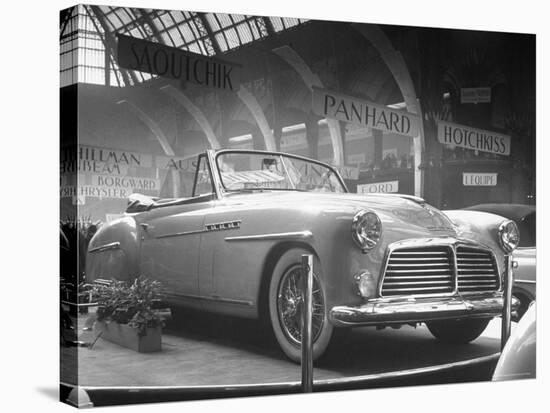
171 62
474 139
479 179
378 187
362 112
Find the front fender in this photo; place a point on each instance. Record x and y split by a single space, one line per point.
481 227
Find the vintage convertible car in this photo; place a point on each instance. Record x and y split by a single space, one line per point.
233 245
525 256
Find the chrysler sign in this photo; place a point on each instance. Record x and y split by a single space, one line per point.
362 112
471 138
161 60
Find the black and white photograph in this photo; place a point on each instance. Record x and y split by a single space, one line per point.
256 205
272 206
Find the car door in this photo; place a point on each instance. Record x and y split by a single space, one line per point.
171 235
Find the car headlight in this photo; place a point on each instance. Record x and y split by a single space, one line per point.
366 229
508 236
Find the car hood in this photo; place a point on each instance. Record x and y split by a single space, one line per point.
392 210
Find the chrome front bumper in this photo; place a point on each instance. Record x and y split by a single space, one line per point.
414 310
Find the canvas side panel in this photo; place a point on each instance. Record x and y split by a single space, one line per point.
68 200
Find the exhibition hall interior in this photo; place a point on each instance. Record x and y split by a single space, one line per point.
205 156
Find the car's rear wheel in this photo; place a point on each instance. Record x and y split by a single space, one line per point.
286 304
458 331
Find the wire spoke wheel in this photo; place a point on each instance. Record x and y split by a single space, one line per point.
290 305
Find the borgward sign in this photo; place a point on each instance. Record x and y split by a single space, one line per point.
165 61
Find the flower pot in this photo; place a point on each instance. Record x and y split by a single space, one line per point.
126 336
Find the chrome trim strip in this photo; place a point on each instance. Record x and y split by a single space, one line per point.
274 236
178 234
218 226
106 247
455 265
212 298
525 281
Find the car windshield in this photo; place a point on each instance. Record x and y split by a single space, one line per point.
242 171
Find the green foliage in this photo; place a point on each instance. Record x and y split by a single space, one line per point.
129 303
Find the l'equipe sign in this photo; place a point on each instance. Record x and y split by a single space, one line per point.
158 59
362 112
471 138
479 179
475 95
378 187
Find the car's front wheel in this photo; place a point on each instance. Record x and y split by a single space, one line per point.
286 304
458 331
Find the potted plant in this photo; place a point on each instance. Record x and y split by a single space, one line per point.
126 314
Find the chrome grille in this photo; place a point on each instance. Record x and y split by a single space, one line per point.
477 270
419 271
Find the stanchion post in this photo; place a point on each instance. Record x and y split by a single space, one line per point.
307 310
507 301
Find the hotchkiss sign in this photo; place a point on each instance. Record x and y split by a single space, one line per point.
471 138
161 60
362 112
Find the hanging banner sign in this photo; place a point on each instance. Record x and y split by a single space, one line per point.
185 164
479 179
174 63
474 139
102 161
378 187
350 173
475 95
357 158
362 112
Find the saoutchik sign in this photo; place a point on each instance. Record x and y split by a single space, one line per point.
161 60
362 112
471 138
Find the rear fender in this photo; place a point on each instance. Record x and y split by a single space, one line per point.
113 252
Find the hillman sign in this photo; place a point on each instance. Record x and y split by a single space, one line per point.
158 59
471 138
362 112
